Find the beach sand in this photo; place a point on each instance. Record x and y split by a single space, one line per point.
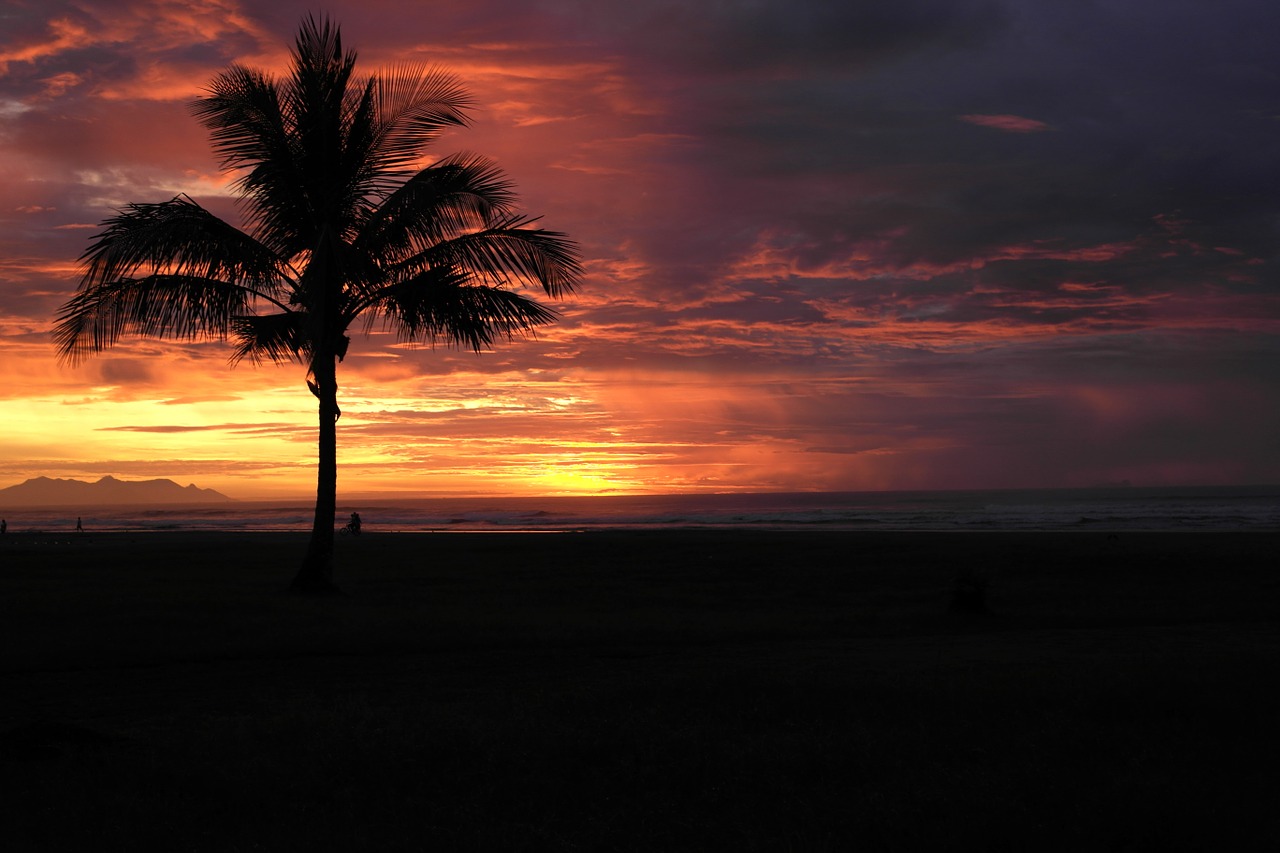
641 690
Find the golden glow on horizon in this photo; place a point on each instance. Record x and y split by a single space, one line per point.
244 434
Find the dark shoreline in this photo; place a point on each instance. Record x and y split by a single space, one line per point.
641 690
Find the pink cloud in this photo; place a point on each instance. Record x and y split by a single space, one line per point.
62 34
1007 123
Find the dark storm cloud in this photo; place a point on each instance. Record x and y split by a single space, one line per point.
729 39
1154 109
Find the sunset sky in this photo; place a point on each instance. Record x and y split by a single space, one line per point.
883 244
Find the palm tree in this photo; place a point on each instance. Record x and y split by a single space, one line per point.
343 223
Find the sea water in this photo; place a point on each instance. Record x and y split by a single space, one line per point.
1111 509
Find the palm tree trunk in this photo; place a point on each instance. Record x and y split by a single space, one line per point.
316 572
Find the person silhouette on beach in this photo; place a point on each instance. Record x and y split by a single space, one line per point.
79 526
4 526
354 524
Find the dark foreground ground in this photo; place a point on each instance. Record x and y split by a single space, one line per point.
641 691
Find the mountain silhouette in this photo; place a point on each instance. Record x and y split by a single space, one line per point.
43 491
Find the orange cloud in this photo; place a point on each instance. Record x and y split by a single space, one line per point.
62 35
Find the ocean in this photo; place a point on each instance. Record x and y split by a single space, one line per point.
1108 509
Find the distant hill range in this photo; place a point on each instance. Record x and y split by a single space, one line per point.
43 491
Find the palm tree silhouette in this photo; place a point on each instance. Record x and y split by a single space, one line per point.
343 223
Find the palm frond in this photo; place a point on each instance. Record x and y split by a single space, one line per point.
317 90
250 130
158 306
303 140
278 337
359 161
442 305
243 114
415 104
166 270
461 193
181 239
510 250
